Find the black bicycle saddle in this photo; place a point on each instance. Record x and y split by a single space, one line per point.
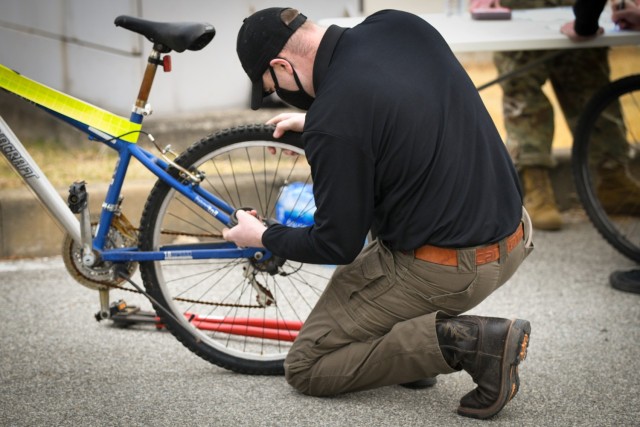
168 36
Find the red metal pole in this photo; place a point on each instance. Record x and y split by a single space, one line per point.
293 325
249 331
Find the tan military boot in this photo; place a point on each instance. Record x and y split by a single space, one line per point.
539 199
618 192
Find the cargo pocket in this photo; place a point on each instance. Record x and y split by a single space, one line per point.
376 281
455 303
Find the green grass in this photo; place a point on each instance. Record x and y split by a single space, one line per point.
91 163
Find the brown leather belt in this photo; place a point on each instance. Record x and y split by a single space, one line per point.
484 254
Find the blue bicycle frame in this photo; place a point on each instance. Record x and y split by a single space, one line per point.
121 136
211 204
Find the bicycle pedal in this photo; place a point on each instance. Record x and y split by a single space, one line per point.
127 319
121 307
125 315
78 197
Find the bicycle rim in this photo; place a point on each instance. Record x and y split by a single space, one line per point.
606 145
231 312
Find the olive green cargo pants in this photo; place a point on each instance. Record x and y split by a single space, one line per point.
374 325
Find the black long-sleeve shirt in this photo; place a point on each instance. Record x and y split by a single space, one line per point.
587 13
399 142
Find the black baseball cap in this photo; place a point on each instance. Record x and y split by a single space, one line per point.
260 39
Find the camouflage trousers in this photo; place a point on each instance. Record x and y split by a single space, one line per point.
574 74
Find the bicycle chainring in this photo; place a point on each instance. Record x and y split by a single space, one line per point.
102 275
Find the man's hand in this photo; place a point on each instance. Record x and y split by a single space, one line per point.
248 232
483 4
627 18
569 31
287 122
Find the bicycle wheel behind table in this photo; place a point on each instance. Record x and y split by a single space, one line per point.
604 155
232 312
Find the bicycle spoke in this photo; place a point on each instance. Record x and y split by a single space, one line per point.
232 312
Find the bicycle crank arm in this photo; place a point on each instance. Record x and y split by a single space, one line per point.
122 272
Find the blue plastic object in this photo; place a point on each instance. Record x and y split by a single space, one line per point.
296 206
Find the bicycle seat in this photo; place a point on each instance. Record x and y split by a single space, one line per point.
168 36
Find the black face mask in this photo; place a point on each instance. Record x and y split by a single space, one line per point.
298 98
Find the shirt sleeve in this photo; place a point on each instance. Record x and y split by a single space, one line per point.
587 13
343 191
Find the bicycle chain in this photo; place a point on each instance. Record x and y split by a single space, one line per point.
193 301
178 233
217 304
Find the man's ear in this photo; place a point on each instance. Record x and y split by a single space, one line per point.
279 63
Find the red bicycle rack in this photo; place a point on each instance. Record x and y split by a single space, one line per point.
276 329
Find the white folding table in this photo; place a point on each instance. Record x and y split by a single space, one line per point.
528 29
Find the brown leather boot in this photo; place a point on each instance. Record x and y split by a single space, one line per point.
618 192
539 199
489 349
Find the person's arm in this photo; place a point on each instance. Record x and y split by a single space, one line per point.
249 230
587 13
343 191
585 26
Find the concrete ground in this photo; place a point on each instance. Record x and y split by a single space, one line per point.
58 366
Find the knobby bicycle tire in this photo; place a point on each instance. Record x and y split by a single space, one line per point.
606 137
240 168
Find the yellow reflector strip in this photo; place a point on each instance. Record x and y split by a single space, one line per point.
68 106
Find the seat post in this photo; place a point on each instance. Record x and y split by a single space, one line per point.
140 108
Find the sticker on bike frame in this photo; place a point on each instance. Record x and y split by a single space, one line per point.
178 255
68 106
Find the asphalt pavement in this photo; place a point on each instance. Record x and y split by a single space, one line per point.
59 366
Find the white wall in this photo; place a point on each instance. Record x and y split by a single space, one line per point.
73 46
413 6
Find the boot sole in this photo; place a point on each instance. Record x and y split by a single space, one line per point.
515 351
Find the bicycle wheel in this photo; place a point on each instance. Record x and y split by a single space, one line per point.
605 164
231 312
